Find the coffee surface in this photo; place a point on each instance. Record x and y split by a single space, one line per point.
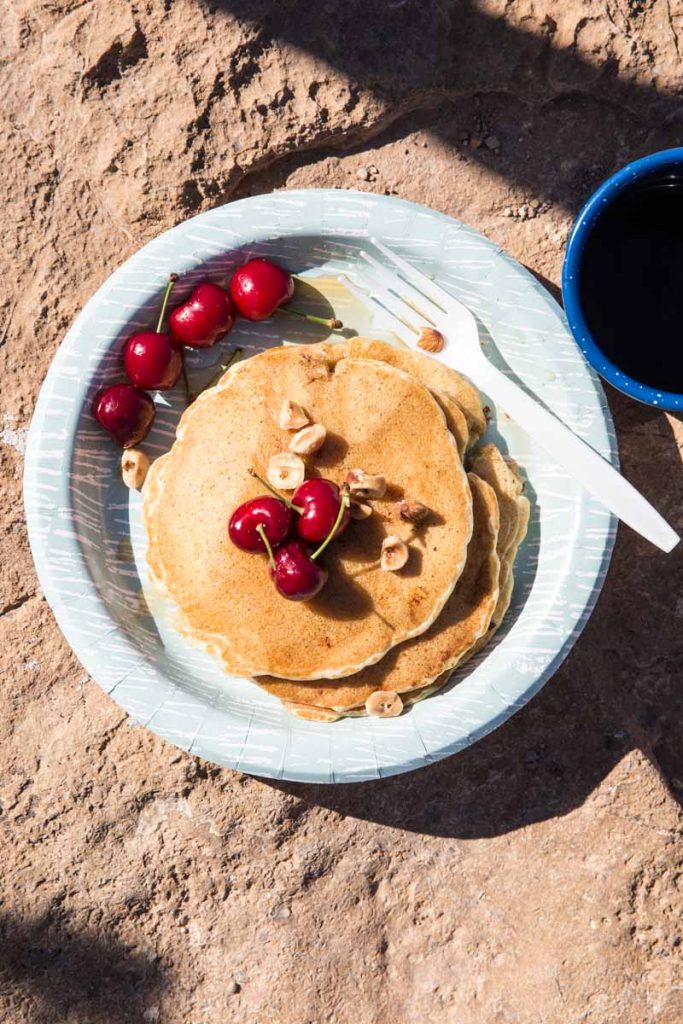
631 282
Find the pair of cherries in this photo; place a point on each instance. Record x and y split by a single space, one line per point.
264 524
153 359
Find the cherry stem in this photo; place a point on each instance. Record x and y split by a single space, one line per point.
214 380
189 397
281 497
344 504
261 530
332 325
223 368
167 294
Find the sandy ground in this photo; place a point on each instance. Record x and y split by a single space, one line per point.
536 878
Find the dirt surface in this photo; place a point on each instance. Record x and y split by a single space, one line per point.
537 876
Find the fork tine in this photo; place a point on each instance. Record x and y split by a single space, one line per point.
420 302
442 299
394 304
398 327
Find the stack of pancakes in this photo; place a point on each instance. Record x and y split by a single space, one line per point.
389 411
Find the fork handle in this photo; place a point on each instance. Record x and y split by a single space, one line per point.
583 463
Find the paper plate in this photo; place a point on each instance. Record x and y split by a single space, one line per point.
85 528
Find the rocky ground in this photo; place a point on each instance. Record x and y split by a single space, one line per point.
534 879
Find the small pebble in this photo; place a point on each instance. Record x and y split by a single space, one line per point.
536 203
492 141
373 169
233 988
508 211
281 913
363 174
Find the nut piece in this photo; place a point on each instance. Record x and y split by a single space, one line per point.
308 440
359 510
286 471
134 467
394 554
384 704
364 485
413 511
430 340
292 416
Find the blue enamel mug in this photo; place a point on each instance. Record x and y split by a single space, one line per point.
599 344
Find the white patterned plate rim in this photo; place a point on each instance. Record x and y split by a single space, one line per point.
83 523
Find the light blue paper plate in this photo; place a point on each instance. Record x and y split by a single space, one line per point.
85 529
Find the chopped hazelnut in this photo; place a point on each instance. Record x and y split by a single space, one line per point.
308 440
134 468
430 340
365 485
359 510
413 511
394 554
286 471
292 416
384 704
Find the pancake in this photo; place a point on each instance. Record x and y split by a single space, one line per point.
377 418
428 370
458 399
504 478
455 419
417 663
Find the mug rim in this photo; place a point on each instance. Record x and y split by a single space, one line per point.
581 229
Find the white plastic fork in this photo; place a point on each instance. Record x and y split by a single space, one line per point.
413 301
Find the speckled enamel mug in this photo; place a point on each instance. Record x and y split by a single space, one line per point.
667 160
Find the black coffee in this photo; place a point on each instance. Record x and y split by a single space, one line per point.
631 282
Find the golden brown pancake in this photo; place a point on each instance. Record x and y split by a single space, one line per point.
418 662
504 477
379 419
311 713
455 419
458 399
429 370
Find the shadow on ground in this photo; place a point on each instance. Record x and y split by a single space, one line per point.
562 122
51 975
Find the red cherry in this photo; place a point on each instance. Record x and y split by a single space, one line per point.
203 318
259 287
153 360
295 575
320 501
126 412
269 513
